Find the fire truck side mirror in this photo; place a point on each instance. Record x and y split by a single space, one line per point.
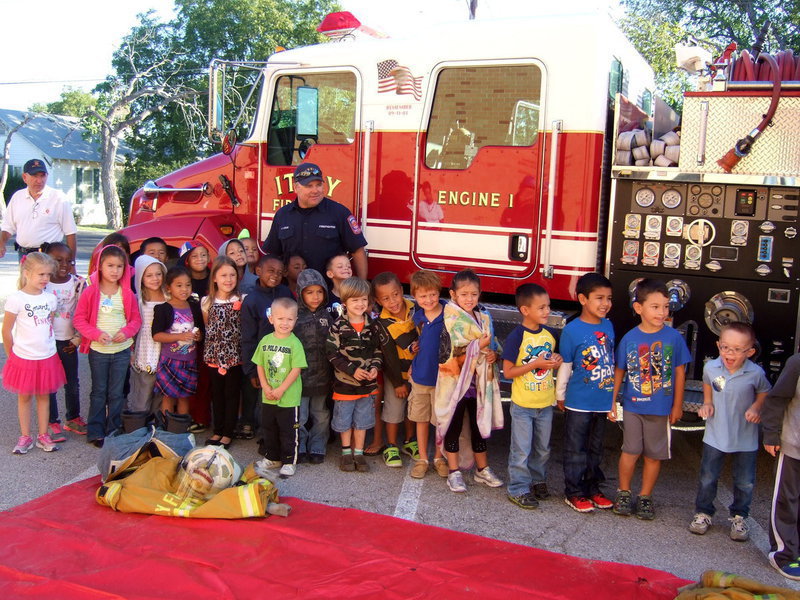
229 142
216 100
307 112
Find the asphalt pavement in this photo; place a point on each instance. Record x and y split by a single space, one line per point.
664 543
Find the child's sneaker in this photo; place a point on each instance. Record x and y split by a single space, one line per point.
247 432
487 477
790 570
24 443
600 501
196 427
528 501
700 523
287 470
44 442
76 425
645 509
419 469
361 463
440 464
411 449
623 505
347 463
579 503
391 456
739 530
56 433
540 491
455 481
266 464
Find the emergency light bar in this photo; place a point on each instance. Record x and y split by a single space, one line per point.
340 25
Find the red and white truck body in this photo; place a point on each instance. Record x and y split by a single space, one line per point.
479 144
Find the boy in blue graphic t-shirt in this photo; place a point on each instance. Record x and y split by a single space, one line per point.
654 359
585 385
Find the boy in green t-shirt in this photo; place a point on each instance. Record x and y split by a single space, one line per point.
279 357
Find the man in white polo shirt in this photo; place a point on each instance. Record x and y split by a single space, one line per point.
37 214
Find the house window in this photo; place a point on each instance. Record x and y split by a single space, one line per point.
481 106
87 184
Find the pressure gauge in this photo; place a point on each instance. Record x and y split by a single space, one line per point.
705 200
671 199
645 197
672 251
693 252
633 221
739 228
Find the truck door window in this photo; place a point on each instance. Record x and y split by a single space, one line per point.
309 109
480 106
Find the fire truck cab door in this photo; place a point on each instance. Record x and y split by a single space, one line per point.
312 118
480 189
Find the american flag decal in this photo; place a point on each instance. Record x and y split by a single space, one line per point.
393 77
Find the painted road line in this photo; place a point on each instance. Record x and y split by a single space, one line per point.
408 500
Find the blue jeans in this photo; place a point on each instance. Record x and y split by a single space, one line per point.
743 471
106 399
530 447
315 440
72 399
583 453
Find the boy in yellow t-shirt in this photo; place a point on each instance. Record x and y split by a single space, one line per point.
529 360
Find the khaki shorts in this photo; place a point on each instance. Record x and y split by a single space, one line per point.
420 403
394 408
646 434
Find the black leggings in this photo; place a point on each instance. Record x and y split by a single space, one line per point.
454 431
225 399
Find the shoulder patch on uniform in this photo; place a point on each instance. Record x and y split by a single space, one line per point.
351 220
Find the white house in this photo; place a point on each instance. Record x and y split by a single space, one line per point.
72 161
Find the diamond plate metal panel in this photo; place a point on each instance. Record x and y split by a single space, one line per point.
730 118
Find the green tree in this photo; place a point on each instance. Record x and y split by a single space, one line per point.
655 38
149 75
722 22
72 103
226 29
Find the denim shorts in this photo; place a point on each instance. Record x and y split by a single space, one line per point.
354 414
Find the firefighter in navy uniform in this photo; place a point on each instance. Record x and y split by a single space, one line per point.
316 227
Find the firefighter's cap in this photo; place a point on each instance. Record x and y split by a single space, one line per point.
305 173
34 166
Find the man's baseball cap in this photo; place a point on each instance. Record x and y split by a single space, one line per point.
305 173
34 166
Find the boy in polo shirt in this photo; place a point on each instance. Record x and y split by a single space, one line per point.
429 320
529 359
734 390
654 359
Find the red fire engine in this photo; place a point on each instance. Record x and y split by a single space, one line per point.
514 147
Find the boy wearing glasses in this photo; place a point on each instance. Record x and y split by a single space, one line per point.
734 390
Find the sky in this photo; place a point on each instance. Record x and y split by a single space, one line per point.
71 43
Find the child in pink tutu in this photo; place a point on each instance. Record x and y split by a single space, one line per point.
107 318
32 369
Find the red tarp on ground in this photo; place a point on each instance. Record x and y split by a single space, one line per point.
64 545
